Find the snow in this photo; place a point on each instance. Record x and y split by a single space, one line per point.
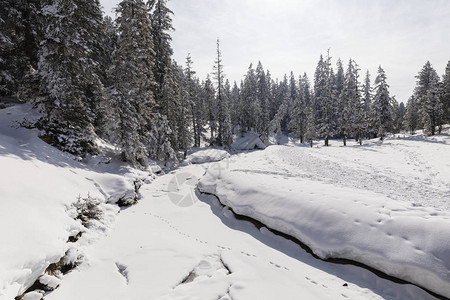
156 246
367 203
162 248
38 186
248 141
207 155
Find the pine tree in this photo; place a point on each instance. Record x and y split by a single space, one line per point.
411 118
250 109
224 133
445 94
367 103
195 102
350 119
211 111
381 110
69 84
263 96
297 123
324 98
311 131
234 106
398 112
136 128
161 25
20 33
427 94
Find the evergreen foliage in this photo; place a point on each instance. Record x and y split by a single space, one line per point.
427 94
381 106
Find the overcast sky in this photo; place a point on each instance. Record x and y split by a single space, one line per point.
290 35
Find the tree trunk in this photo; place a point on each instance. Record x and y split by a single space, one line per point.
311 143
345 140
326 140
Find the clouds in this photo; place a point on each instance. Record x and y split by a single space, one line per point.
290 35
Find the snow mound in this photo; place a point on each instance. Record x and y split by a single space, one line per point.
208 155
249 141
411 243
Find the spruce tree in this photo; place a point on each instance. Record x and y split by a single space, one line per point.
263 96
324 98
211 105
69 85
445 94
411 118
381 105
250 109
367 103
136 126
427 94
161 25
224 133
310 131
194 99
297 122
350 118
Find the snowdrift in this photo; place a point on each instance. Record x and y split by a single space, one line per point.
207 155
249 141
411 243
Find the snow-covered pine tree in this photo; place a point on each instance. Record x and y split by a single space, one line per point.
350 118
136 126
381 105
340 77
427 94
281 96
195 102
234 106
20 31
398 115
367 103
249 108
445 94
297 111
224 132
411 118
211 105
311 130
324 99
161 25
69 84
183 111
263 95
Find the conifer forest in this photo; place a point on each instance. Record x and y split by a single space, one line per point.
91 76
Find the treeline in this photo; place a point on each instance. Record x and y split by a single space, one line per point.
91 76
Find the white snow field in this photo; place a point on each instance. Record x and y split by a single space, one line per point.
38 187
176 243
382 204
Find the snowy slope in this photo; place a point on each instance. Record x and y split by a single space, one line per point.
174 244
159 250
38 185
366 204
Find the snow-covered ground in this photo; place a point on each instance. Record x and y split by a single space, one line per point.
38 188
179 244
382 204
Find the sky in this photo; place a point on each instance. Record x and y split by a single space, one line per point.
290 35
